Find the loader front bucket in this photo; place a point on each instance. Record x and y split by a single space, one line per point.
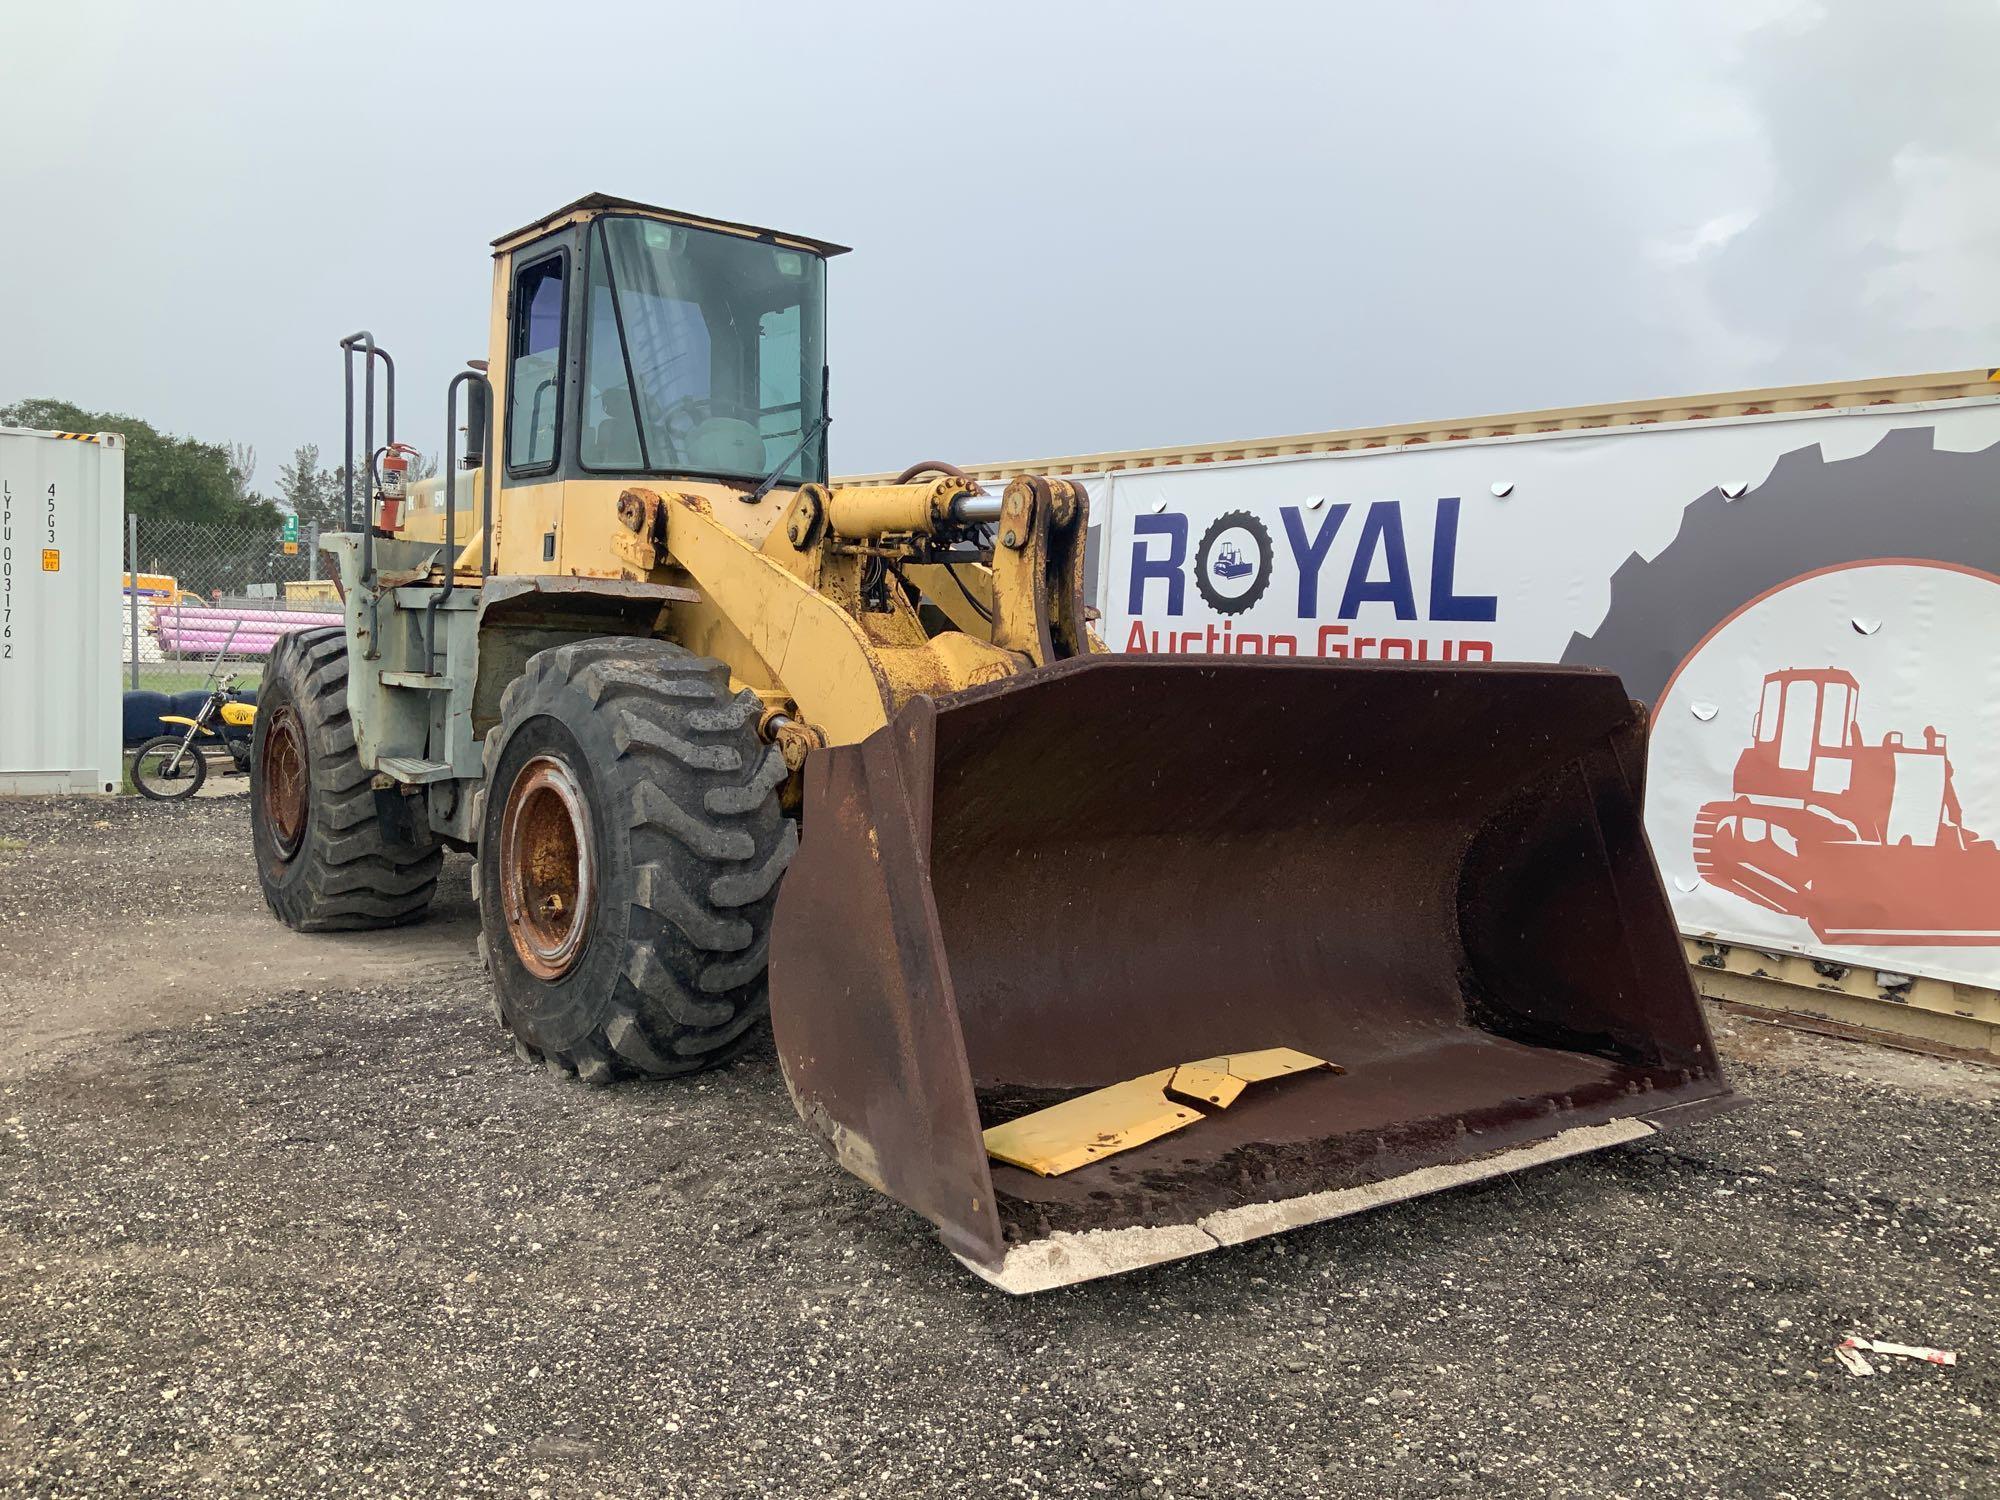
1434 877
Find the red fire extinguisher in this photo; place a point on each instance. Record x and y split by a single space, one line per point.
393 485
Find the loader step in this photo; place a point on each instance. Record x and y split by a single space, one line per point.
430 682
413 770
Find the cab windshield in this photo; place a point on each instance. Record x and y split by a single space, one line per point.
703 354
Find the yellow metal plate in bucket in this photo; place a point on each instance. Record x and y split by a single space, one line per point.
1103 1122
1218 1080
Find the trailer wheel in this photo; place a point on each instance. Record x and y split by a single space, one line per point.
322 858
630 847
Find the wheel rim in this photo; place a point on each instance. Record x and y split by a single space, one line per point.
546 875
282 783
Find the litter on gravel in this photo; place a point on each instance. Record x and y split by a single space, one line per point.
1850 1358
1854 1343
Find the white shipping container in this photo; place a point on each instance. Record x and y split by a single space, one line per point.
62 508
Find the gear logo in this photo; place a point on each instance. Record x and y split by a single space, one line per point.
1232 566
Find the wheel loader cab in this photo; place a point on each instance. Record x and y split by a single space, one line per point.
632 345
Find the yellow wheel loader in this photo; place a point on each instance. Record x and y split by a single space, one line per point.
1092 960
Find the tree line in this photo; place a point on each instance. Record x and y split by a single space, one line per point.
188 479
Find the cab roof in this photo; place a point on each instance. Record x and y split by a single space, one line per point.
593 204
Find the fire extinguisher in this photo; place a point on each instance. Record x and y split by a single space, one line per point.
392 486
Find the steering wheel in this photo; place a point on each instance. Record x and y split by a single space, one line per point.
682 417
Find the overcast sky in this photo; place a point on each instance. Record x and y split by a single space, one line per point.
1077 226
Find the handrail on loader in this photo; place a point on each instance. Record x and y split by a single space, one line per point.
364 343
485 438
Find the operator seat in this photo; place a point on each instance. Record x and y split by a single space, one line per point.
614 440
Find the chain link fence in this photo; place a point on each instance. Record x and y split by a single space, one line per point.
216 598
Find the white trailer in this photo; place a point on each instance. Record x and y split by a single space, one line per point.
62 506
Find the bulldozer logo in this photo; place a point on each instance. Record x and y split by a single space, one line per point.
1866 842
1233 563
1826 753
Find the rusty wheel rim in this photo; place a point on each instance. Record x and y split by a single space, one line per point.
283 784
546 876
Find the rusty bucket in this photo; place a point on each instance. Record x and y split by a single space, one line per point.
1433 877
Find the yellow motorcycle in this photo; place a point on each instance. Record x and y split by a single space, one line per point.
171 766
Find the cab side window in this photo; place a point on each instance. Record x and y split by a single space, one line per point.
534 373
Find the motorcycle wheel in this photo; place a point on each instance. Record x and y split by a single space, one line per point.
150 774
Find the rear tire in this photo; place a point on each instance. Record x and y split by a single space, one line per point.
149 764
630 848
322 858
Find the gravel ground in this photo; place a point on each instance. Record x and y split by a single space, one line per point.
266 1232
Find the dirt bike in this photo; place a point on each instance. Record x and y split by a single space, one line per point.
171 766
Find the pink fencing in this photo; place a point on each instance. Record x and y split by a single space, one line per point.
203 630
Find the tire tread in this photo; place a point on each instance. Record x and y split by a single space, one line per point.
349 877
695 790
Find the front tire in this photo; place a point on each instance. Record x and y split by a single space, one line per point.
322 858
151 777
630 847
